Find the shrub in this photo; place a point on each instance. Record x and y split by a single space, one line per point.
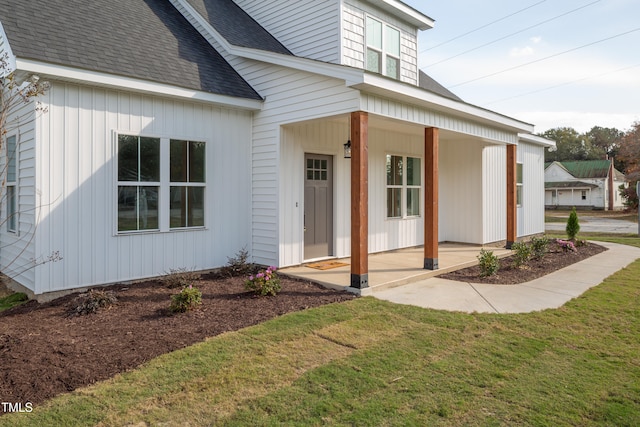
188 299
539 246
92 301
489 263
266 282
238 264
522 253
573 226
180 278
566 245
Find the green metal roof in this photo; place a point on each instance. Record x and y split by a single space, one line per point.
585 169
568 184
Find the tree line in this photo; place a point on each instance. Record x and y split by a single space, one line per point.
601 143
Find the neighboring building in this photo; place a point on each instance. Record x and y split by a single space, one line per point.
587 184
179 132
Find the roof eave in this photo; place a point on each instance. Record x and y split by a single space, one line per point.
405 12
66 73
537 140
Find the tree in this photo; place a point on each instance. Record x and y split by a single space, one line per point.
607 141
573 226
570 145
629 152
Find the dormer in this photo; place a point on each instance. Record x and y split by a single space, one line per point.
380 36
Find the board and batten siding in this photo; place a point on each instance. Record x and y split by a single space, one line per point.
354 15
308 28
531 213
77 178
494 186
17 249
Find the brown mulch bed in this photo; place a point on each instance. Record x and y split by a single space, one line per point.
45 351
554 260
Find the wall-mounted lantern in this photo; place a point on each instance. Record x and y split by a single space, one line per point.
347 150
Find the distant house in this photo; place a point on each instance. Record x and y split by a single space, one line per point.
181 131
587 184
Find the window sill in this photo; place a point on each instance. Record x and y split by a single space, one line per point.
171 230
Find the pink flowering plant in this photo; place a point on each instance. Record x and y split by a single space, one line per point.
265 282
566 245
188 299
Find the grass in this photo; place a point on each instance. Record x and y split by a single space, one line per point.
562 215
12 300
369 362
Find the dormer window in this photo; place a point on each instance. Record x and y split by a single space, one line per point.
383 49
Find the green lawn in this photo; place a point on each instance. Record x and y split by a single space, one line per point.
373 363
12 300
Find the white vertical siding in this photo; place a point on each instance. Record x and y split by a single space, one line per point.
354 14
531 213
77 179
308 28
17 250
461 190
494 187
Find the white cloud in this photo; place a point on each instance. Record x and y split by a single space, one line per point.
518 52
536 40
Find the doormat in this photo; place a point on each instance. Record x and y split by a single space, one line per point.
326 265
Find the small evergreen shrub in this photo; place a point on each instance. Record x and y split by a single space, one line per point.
539 247
188 299
180 278
238 264
92 301
489 263
573 225
266 282
522 254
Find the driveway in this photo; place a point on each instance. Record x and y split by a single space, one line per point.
597 224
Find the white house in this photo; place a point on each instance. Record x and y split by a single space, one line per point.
180 131
586 184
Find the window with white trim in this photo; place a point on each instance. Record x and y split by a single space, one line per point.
519 184
583 194
404 186
383 48
12 199
145 179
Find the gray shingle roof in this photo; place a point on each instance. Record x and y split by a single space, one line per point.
428 83
236 26
146 39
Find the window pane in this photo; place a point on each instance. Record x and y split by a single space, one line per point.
127 158
373 61
187 207
12 154
519 173
12 212
149 159
394 202
137 208
196 161
394 170
519 195
393 68
413 171
392 41
178 161
413 201
374 33
138 158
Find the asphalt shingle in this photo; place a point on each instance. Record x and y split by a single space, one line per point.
146 39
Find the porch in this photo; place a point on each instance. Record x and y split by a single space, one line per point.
394 268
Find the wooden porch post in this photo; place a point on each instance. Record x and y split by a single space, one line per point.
431 142
512 224
359 200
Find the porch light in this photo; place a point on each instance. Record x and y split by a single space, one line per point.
347 150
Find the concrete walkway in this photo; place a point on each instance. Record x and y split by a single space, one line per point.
551 291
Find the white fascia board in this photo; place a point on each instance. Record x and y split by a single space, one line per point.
405 12
128 83
537 140
404 92
11 59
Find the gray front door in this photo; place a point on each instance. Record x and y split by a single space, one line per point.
318 206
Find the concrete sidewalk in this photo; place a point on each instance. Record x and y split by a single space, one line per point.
551 291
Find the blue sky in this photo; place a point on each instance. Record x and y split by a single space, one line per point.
595 85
